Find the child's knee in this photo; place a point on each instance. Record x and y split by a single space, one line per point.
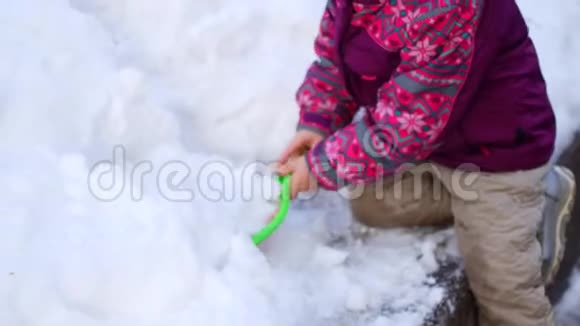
375 212
386 209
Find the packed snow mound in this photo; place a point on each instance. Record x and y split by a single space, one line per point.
72 258
226 68
567 310
191 93
553 30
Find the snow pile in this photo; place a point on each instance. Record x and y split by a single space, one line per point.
193 91
228 69
71 259
553 31
567 310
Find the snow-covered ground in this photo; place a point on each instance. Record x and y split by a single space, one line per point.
567 311
193 90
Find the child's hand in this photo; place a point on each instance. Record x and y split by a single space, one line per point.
303 141
302 180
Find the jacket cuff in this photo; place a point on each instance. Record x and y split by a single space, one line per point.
321 168
314 122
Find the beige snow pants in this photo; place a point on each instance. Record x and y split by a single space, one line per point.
496 219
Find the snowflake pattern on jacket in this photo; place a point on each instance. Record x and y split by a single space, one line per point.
435 39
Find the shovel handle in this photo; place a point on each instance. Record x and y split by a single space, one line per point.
280 216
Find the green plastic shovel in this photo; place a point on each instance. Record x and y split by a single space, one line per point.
277 220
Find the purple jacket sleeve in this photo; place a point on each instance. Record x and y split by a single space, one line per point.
325 104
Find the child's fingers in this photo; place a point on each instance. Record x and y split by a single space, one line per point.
295 148
283 169
289 167
293 163
289 151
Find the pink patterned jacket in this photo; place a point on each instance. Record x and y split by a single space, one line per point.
406 62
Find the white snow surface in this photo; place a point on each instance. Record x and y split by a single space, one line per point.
190 86
567 310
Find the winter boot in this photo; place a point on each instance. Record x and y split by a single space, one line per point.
560 194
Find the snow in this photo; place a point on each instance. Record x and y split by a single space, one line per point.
194 92
69 259
552 30
567 310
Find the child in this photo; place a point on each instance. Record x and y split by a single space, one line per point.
455 85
